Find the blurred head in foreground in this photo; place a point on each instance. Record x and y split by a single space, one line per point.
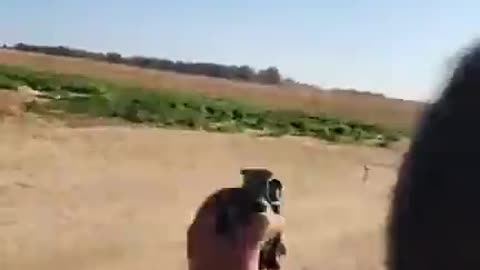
434 218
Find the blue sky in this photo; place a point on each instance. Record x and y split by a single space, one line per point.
399 48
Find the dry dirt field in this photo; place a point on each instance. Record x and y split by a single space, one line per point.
120 198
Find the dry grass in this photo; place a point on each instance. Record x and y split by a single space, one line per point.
389 112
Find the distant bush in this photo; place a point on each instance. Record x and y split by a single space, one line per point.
270 75
169 108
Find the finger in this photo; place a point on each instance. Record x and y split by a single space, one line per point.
264 226
275 224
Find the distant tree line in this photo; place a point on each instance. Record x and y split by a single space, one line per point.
270 75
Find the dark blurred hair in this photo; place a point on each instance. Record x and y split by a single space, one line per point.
434 220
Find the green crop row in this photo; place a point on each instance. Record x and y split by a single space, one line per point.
170 108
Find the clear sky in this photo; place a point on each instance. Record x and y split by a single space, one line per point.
399 48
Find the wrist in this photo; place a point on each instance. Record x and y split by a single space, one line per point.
245 261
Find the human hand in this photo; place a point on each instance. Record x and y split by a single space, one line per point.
208 250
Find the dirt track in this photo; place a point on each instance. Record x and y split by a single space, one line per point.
119 198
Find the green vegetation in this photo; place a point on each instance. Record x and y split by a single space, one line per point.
179 109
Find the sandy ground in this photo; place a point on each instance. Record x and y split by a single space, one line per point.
120 198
